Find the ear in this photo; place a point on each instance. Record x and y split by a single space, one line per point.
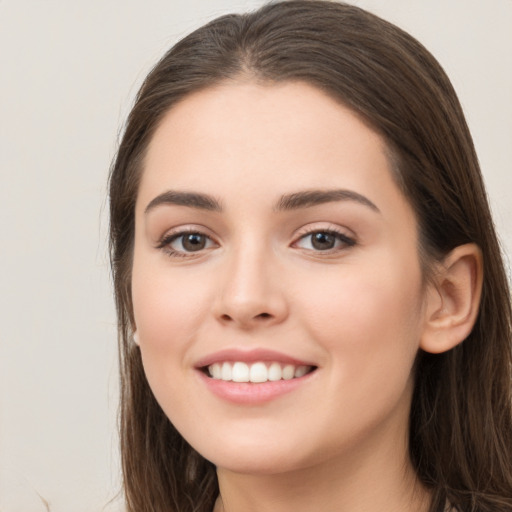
135 337
453 299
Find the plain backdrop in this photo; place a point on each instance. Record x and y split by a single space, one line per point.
68 74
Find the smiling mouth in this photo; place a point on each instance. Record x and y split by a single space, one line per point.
258 372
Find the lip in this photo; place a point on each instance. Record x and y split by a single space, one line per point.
250 356
249 393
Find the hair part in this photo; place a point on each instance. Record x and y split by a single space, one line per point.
461 419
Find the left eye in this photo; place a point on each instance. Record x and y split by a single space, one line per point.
324 241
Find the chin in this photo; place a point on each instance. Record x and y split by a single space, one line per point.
266 457
257 464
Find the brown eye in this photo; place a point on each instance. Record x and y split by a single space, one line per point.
193 242
323 241
185 243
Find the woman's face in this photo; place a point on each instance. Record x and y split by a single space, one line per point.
272 244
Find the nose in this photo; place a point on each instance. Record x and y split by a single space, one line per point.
250 294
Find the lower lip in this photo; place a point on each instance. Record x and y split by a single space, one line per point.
252 393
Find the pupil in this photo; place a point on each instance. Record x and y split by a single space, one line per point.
194 242
323 241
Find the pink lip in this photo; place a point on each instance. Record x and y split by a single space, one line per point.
247 392
249 356
252 394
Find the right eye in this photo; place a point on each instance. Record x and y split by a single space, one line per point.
186 243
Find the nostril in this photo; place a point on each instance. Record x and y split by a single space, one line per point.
261 316
246 318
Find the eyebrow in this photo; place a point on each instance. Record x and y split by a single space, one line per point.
287 202
309 198
190 199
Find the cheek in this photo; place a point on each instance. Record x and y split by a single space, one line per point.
167 310
168 313
369 326
368 322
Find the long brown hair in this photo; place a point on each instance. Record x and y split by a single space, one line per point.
461 419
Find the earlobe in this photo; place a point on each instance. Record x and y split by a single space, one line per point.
453 299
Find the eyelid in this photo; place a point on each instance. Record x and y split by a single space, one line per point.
164 242
324 226
343 235
184 229
347 236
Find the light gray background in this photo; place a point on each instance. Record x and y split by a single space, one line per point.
68 74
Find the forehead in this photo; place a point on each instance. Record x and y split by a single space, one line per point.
251 138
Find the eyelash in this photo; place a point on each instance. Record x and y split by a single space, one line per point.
165 243
167 240
340 237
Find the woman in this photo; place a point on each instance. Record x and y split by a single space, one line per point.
313 310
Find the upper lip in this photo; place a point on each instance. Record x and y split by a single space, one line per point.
249 356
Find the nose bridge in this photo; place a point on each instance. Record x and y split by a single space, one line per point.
249 293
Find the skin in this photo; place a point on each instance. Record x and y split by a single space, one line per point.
357 312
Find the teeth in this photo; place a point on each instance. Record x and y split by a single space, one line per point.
216 371
240 372
288 372
300 371
226 371
256 372
275 372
